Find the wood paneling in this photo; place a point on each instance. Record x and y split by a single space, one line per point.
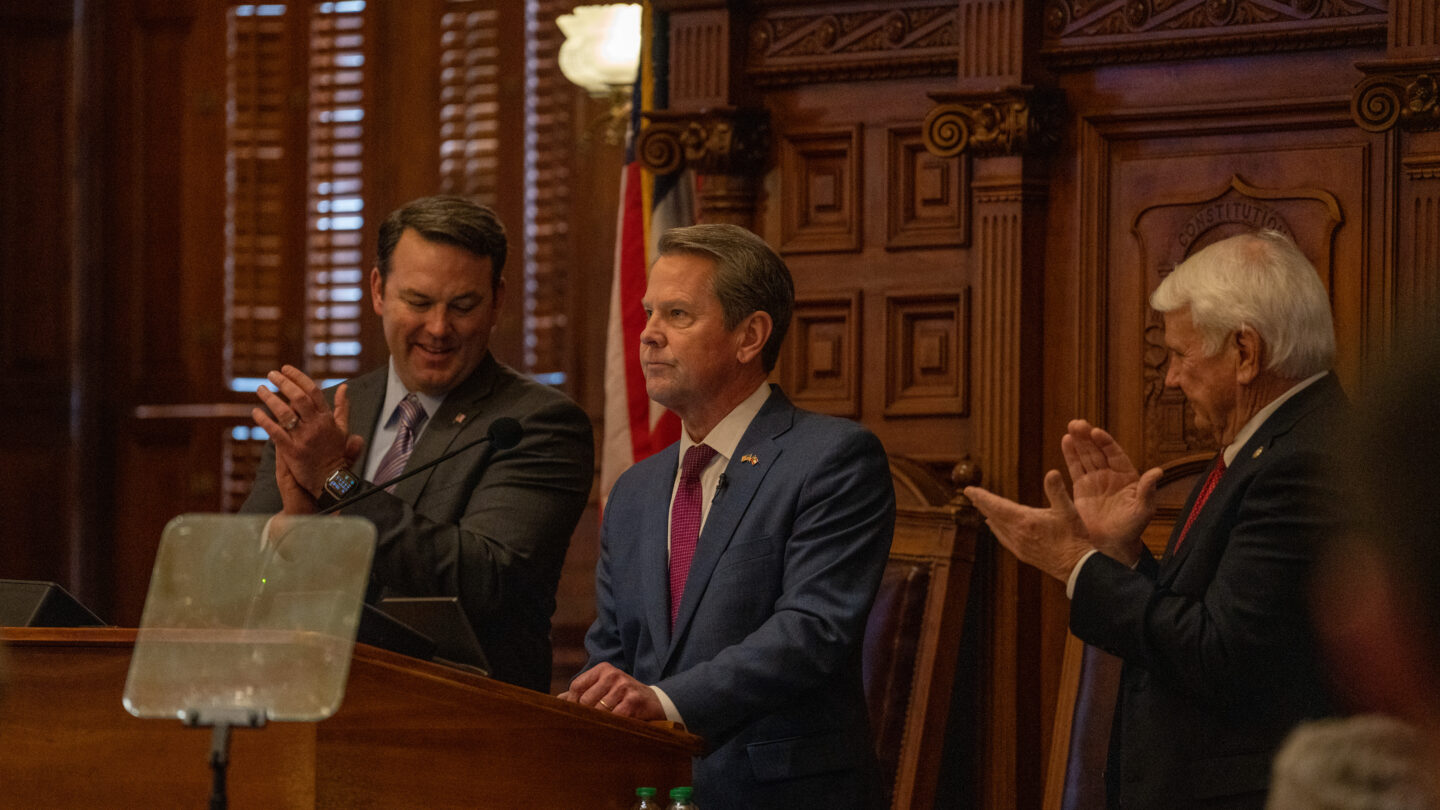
821 191
851 41
822 370
928 199
43 499
927 349
1103 31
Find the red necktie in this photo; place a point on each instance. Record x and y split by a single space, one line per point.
1210 481
685 522
412 413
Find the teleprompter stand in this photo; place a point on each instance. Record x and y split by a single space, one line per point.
249 619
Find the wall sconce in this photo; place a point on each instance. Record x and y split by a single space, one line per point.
602 54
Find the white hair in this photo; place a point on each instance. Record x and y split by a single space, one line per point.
1260 280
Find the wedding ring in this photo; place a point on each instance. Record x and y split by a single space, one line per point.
294 420
607 706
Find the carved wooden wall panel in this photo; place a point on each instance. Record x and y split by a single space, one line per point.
821 192
700 62
822 369
1170 187
928 196
927 354
846 41
1100 31
990 48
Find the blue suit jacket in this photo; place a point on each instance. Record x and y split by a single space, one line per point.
1220 662
765 659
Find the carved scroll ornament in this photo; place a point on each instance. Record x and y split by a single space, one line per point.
717 141
1411 100
1013 123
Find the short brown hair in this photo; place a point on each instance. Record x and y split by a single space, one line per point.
449 220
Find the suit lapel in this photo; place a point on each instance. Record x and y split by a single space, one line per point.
1316 395
366 394
755 456
457 413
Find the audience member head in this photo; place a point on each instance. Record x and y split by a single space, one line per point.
1369 762
1262 281
451 221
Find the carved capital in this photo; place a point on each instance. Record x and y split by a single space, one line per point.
725 140
1015 121
1408 98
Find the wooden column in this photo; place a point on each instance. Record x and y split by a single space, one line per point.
710 125
999 119
1400 96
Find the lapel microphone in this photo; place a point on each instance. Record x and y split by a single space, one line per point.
503 434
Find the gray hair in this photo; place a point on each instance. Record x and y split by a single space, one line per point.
449 220
1262 281
749 276
1366 762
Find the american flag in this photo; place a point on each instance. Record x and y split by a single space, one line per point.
635 427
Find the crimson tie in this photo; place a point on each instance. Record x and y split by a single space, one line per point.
1210 481
685 522
412 415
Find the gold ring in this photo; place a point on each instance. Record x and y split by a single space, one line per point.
606 705
294 420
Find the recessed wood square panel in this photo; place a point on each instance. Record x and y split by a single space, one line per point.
928 198
822 359
927 354
820 191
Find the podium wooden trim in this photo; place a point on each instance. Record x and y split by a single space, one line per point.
408 733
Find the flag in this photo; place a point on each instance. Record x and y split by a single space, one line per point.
635 427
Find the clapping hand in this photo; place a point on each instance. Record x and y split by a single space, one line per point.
1113 500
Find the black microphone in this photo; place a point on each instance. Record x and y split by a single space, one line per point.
504 433
720 484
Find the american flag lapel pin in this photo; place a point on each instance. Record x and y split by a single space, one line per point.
750 457
459 418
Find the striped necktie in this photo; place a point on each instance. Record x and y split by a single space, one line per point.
412 416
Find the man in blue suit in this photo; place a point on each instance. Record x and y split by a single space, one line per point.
755 645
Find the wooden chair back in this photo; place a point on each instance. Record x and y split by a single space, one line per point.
913 637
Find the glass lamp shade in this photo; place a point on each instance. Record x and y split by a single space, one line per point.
602 46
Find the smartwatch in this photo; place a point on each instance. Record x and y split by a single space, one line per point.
342 482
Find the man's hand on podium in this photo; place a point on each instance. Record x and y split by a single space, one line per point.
608 689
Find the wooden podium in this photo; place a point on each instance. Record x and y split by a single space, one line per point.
408 734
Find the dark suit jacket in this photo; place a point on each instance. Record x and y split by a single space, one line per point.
764 662
1219 658
495 534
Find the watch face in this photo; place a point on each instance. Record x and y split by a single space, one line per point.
341 483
